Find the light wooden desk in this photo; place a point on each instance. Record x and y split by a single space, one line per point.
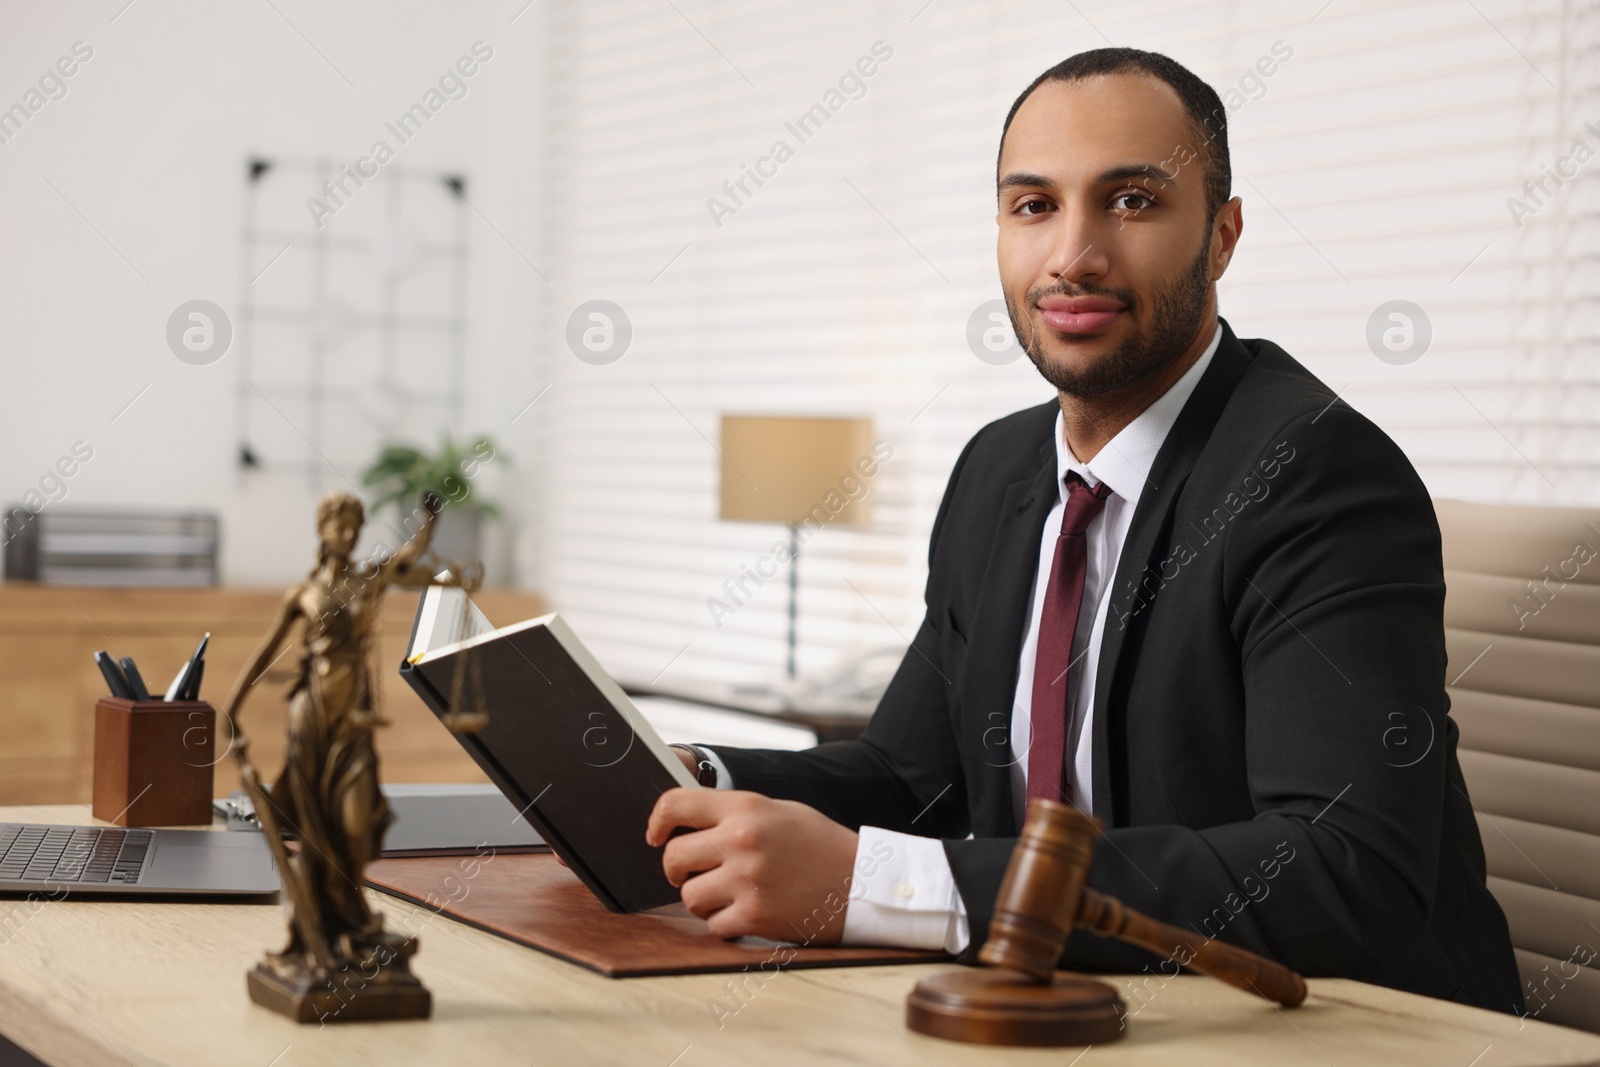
146 984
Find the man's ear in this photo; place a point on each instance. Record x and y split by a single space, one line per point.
1225 232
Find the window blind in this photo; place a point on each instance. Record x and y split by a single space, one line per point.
840 277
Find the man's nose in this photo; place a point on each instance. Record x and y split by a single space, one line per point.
1080 253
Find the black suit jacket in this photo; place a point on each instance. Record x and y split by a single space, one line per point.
1273 758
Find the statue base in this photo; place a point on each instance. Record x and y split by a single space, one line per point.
378 985
996 1006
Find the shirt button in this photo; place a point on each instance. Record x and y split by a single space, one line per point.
903 890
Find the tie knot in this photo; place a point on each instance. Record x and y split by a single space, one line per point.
1083 504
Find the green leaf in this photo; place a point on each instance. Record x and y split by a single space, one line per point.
402 473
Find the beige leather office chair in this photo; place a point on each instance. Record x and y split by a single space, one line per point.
1522 624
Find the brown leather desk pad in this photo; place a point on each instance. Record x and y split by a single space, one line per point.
533 900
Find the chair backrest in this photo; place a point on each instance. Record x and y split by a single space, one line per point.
1522 625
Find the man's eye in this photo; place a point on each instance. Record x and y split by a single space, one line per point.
1043 205
1143 201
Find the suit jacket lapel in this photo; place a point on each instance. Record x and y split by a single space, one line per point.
1172 464
995 643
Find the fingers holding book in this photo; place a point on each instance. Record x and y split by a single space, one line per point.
752 865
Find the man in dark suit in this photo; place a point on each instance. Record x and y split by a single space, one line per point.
1194 594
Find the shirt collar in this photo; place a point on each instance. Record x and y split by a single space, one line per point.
1125 461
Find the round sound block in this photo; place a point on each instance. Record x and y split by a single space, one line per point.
998 1006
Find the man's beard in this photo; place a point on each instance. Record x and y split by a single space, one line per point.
1177 311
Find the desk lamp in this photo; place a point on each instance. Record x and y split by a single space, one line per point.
797 471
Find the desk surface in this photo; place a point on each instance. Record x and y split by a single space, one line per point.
141 983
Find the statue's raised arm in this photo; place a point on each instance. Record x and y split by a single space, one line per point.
413 565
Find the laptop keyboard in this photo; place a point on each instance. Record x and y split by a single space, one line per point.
72 854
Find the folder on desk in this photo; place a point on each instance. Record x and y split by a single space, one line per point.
532 900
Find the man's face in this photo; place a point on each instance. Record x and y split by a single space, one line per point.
1105 249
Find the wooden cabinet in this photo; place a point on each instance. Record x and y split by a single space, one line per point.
49 683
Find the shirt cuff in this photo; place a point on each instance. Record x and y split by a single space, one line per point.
724 779
903 894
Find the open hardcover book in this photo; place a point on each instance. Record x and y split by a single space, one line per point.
563 742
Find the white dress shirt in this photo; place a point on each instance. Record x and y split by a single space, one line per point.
909 898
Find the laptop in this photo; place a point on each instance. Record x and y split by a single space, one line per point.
429 820
58 861
450 820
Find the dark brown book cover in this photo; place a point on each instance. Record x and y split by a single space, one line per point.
564 744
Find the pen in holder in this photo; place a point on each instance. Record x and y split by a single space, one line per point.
153 761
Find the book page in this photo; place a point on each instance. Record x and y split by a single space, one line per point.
446 616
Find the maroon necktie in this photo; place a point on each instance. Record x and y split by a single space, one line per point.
1057 622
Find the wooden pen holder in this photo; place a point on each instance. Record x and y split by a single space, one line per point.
153 761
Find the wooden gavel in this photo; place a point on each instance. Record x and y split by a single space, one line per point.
1044 896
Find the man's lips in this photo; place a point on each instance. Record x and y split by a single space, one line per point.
1079 314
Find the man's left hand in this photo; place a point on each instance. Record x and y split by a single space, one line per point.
753 865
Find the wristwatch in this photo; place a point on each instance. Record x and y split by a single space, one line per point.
705 770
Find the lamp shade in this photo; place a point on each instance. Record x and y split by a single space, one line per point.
785 469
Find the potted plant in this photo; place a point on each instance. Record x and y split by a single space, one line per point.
403 473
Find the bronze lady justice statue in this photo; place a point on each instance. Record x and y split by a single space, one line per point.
340 962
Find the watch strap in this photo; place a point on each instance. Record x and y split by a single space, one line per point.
705 770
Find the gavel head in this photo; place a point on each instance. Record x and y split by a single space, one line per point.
1043 886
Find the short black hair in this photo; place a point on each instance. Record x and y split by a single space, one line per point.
1202 103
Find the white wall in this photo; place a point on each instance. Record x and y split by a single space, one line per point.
149 145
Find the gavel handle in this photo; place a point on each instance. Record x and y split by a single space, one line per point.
1109 917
